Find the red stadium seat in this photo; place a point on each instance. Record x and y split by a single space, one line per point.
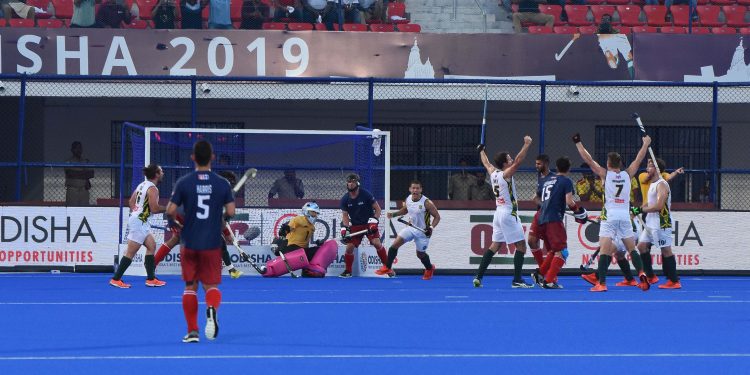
577 15
409 28
50 23
565 29
355 27
63 8
700 30
299 26
382 27
723 30
709 15
597 11
274 26
21 22
655 15
590 29
735 15
235 10
397 9
618 2
723 2
2 22
41 4
745 30
629 15
137 24
680 15
743 2
673 30
145 7
595 2
644 29
554 10
539 29
625 29
322 27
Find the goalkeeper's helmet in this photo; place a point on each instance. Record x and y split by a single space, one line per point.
308 210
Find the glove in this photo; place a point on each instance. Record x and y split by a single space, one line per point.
636 211
372 225
480 147
345 231
581 215
319 242
174 224
284 229
428 232
576 138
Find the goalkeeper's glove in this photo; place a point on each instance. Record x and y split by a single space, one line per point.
319 242
576 138
581 215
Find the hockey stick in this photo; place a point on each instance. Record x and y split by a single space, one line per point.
484 115
587 219
243 255
586 267
250 173
286 263
350 235
402 221
650 151
559 56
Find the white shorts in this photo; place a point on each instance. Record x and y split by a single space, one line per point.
657 237
616 229
506 228
420 240
138 231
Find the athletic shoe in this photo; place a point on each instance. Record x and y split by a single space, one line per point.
598 288
428 273
552 286
155 283
521 284
192 336
591 278
644 285
119 284
346 274
626 282
385 271
538 278
653 280
212 323
671 285
477 282
235 273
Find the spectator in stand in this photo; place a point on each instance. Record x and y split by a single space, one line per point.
19 8
84 15
191 11
348 12
562 3
459 185
282 13
528 11
254 13
605 25
111 15
481 191
371 10
319 11
287 187
219 15
164 14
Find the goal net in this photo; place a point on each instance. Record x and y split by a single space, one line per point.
294 167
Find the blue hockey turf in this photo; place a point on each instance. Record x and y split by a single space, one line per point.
78 324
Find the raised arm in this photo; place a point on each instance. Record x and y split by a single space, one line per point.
674 174
639 157
485 161
511 170
595 167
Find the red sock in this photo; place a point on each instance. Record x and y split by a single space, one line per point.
538 256
190 308
161 253
213 297
348 261
547 263
383 255
551 276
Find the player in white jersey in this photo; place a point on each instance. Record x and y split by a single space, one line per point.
615 217
143 203
506 226
418 210
659 226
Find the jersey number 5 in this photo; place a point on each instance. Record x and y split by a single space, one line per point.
202 212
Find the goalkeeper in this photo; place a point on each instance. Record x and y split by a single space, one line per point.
167 246
294 242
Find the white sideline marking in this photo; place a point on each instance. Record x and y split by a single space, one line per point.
123 303
368 356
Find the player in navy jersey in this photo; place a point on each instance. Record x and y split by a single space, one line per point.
203 195
556 195
360 211
543 175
